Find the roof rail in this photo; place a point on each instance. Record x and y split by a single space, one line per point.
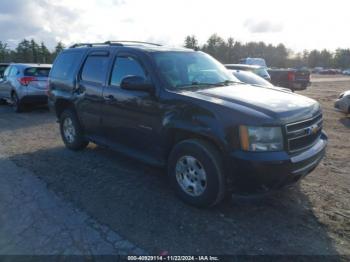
86 45
131 42
112 43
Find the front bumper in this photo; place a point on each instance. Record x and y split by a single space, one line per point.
259 172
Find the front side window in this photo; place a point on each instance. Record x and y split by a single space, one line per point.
95 69
126 66
185 69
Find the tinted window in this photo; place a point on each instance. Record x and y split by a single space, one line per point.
37 71
95 69
65 65
125 66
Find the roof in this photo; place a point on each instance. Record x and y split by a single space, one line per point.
145 46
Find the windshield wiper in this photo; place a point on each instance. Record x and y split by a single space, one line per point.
203 85
227 82
197 85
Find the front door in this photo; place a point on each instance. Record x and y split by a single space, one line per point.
131 118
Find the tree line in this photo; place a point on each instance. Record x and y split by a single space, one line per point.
226 51
29 51
231 51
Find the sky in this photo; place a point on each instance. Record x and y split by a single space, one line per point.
299 24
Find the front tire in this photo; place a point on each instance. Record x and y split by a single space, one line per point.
195 171
71 131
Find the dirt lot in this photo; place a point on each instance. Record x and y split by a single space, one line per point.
134 199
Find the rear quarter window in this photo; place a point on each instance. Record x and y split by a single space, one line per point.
37 71
65 65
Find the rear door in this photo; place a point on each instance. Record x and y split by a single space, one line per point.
92 79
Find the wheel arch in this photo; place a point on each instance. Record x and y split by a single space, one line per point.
176 135
61 105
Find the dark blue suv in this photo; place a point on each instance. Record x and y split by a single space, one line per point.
182 109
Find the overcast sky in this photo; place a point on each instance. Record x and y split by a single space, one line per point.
299 24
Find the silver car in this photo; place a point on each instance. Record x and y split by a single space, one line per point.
343 102
24 84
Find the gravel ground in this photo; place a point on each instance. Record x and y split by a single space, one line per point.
134 199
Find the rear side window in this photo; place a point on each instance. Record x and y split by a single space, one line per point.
65 65
95 69
123 67
37 71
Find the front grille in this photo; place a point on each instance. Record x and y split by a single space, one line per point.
302 135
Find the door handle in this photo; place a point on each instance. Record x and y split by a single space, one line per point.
109 98
79 90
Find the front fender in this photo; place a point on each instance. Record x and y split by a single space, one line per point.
206 126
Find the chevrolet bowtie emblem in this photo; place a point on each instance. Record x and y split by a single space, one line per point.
313 129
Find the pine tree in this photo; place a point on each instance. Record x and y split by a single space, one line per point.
191 42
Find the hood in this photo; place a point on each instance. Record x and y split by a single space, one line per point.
286 106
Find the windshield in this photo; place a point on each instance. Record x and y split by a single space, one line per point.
251 78
189 69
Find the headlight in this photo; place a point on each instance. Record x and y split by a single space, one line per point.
255 138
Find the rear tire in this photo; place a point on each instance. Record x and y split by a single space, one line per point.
71 131
196 172
16 103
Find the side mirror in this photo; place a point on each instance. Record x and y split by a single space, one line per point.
136 83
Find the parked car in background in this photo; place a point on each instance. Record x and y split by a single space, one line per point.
25 84
259 70
343 102
317 70
253 79
293 79
330 71
3 67
182 109
346 71
253 61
